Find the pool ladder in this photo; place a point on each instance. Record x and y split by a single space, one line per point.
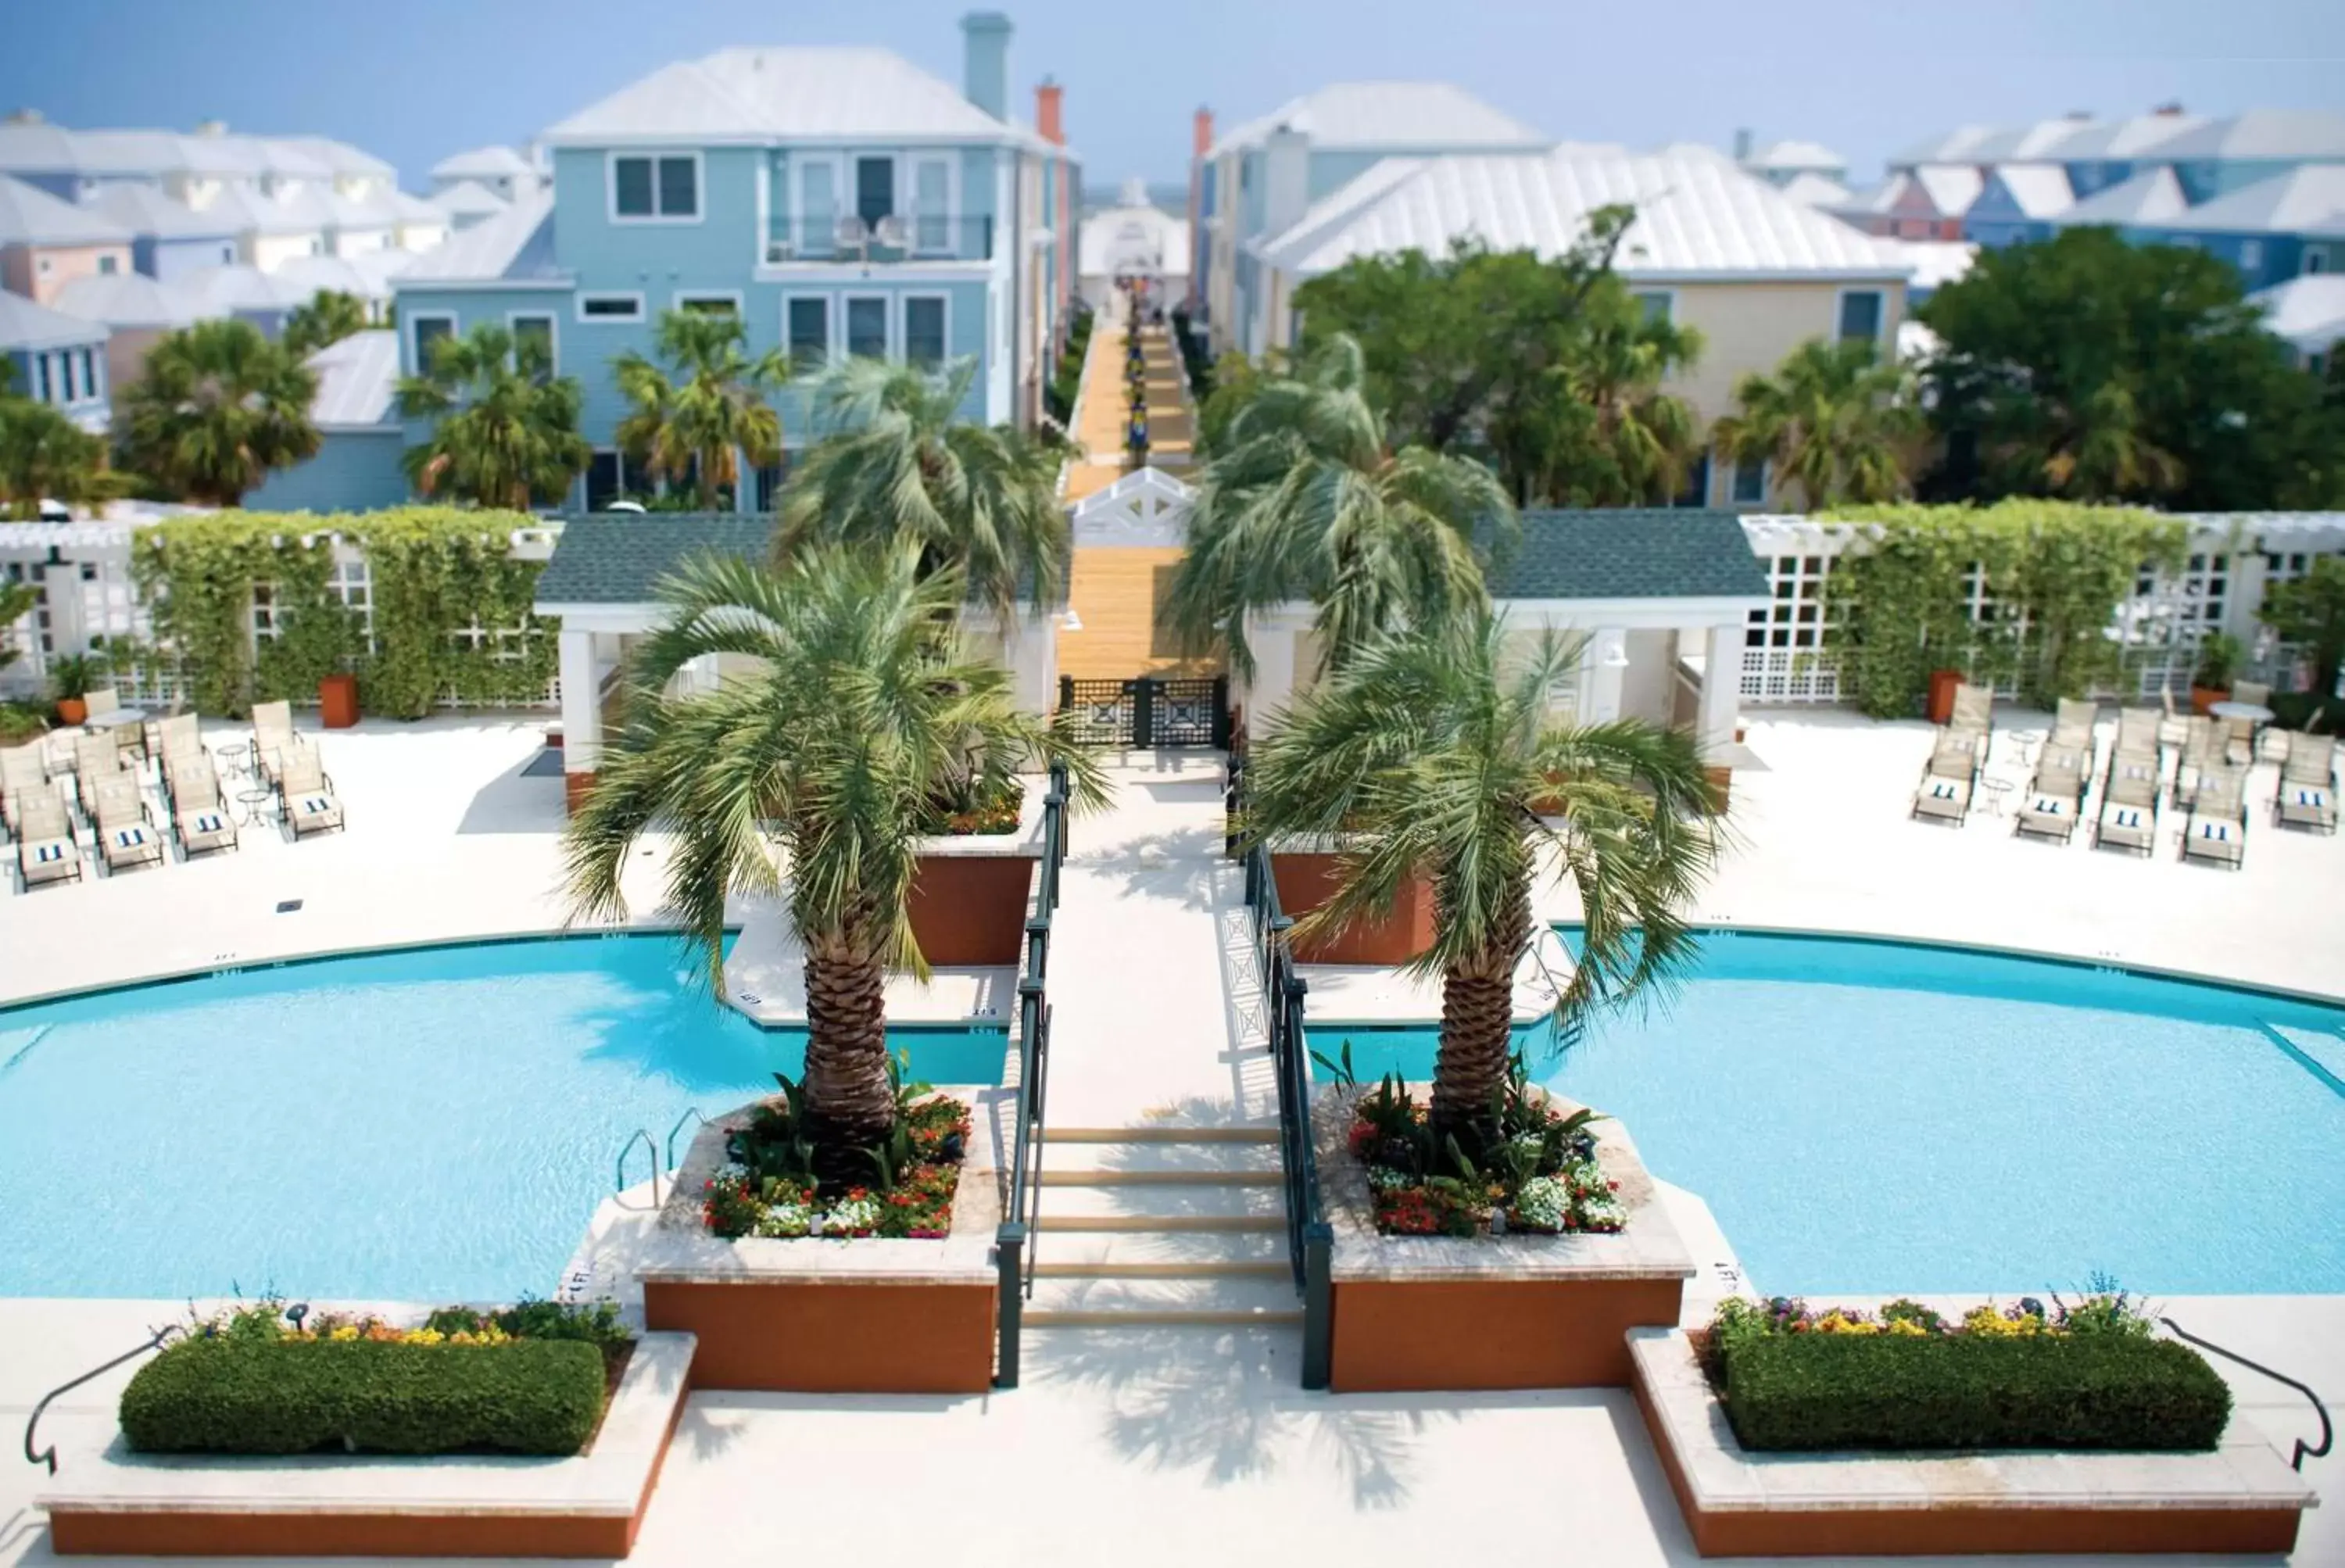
643 1136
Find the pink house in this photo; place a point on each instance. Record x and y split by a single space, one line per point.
45 243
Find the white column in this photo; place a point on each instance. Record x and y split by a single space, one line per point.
1607 661
582 708
1273 686
1031 650
1721 689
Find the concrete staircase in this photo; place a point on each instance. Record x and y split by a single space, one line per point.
1160 1225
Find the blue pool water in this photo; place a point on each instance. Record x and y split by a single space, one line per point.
435 1124
1874 1118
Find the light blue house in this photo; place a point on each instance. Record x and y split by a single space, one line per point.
2270 231
169 239
2018 203
56 358
1259 179
360 446
839 200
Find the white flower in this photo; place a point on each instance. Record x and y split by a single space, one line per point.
1384 1178
851 1215
787 1219
1543 1202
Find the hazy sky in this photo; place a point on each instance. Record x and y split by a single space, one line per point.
413 80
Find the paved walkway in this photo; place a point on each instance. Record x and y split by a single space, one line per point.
1101 407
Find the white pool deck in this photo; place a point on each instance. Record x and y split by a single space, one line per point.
1201 1433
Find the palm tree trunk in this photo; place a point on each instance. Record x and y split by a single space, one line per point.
1478 1009
847 1096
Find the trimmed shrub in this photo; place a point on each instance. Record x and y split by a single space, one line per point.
1829 1391
295 1396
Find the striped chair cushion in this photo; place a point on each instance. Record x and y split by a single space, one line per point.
49 854
129 837
2047 806
207 822
315 805
1942 791
2125 817
2216 832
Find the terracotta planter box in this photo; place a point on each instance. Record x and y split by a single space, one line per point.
1519 1311
969 908
376 1505
2203 698
338 701
1306 879
865 1315
2241 1498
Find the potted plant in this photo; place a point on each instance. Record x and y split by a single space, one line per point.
70 676
2210 679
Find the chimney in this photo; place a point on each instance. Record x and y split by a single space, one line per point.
2168 110
25 116
1285 179
985 68
1049 112
1742 145
211 127
1201 133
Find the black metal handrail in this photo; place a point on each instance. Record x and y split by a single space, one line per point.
1014 1252
1310 1241
48 1455
2304 1451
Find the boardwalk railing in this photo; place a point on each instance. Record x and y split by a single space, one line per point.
1309 1239
1013 1251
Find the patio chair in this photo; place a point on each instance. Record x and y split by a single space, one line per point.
2217 828
2137 731
127 834
46 850
23 772
199 814
1949 779
1974 715
2308 784
2238 741
102 701
305 795
2072 725
2170 728
96 760
2057 796
2202 749
178 738
2128 814
2256 691
272 737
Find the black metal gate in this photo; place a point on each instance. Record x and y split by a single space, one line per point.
1148 712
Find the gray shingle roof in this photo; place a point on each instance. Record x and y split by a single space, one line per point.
619 557
1631 553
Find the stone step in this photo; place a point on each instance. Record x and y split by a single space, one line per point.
1166 1132
1109 1177
1174 1161
1130 1303
1133 1223
1115 1200
1135 1253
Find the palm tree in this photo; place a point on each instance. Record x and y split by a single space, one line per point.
862 713
1614 438
695 425
1307 501
330 316
895 462
43 455
1832 418
218 408
1434 754
507 429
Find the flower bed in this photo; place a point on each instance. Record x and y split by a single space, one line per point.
2087 1376
1536 1170
776 1185
993 812
533 1378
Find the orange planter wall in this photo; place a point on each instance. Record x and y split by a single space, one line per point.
850 1337
969 910
1307 882
575 788
1495 1334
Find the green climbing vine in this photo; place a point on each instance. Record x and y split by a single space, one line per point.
2051 577
449 605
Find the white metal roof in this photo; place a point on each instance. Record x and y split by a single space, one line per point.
220 290
42 148
1396 117
1947 146
516 244
2025 144
1799 155
1933 263
25 325
1135 234
2038 190
144 209
2310 200
366 275
484 163
250 211
1951 187
468 197
2152 197
2263 134
31 216
1812 189
127 299
794 93
2309 312
1695 217
356 378
2120 140
341 157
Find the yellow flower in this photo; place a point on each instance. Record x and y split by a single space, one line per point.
347 1332
423 1336
1906 1327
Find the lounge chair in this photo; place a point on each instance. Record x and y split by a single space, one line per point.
2238 741
1974 715
199 815
2261 743
2256 691
1949 779
102 701
272 737
2057 797
96 760
2202 752
176 739
127 834
2217 825
46 850
2308 784
24 773
305 795
2128 814
2137 730
2072 725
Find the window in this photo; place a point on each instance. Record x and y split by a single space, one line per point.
1697 484
90 372
106 265
771 476
533 328
866 327
263 613
924 331
605 479
2316 260
41 377
1658 304
44 265
430 329
1859 315
806 328
874 189
932 205
709 304
818 206
2251 255
227 254
655 189
350 584
610 307
1751 482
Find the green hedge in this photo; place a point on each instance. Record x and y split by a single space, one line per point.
294 1396
1829 1391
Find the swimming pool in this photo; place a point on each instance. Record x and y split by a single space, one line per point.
1872 1117
435 1124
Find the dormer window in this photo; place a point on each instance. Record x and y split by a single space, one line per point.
648 188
